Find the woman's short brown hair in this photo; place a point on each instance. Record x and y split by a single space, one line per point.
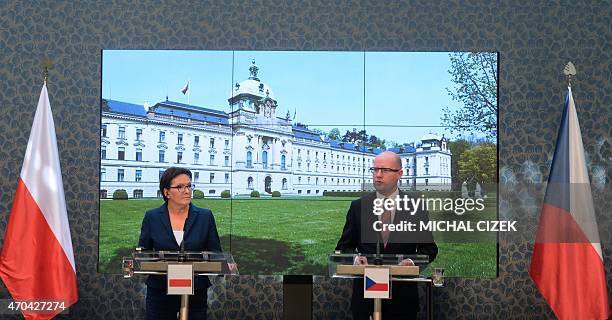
166 178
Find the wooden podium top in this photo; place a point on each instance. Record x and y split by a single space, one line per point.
357 270
199 266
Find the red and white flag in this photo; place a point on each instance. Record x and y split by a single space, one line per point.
567 264
37 260
180 279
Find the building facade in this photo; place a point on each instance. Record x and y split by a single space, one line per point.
249 148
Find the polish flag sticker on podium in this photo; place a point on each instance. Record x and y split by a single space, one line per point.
180 279
376 283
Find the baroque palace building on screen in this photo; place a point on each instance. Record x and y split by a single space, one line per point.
247 149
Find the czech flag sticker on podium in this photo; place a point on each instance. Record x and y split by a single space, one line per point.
376 283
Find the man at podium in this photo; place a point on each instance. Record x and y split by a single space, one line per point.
177 225
360 236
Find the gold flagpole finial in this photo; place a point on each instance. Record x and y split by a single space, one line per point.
47 64
569 71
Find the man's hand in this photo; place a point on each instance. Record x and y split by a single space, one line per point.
406 262
360 261
233 268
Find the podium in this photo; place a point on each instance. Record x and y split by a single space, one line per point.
201 263
342 265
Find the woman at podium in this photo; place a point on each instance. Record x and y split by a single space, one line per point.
177 225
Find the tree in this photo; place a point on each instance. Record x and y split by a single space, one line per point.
479 165
120 194
334 134
475 76
457 148
374 141
355 136
348 136
394 144
198 194
362 137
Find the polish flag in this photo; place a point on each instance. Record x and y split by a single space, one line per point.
37 260
179 283
567 263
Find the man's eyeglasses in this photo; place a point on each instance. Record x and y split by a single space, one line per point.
182 188
383 170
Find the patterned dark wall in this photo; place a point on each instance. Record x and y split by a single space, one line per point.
534 41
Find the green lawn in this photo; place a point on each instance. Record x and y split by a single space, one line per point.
282 236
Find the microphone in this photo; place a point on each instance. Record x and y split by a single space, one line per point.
184 232
378 259
181 257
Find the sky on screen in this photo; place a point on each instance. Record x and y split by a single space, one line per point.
400 91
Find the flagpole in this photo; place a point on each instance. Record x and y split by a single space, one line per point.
569 71
37 258
567 231
188 91
46 66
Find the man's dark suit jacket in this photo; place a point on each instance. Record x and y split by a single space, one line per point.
200 235
359 236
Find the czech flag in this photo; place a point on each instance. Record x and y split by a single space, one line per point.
372 285
37 261
567 264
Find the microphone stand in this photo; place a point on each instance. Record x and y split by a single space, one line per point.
184 310
378 258
378 261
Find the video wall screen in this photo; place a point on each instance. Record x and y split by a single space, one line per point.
280 143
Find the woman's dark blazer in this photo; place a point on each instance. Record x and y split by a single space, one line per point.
200 235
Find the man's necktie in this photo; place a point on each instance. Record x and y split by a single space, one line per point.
385 233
